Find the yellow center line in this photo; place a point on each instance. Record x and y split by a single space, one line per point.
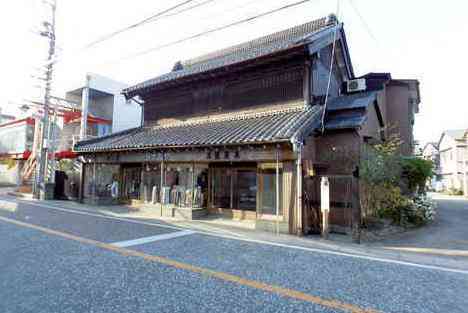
285 292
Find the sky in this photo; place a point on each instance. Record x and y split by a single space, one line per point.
417 39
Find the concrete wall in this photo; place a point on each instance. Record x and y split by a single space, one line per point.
125 114
110 103
452 154
10 176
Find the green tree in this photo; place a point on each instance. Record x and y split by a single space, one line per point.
417 171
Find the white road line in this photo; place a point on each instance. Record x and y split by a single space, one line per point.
140 241
270 243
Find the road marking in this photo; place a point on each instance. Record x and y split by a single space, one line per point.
140 241
258 241
285 292
433 251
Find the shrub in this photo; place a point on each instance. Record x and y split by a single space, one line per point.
390 203
421 210
455 192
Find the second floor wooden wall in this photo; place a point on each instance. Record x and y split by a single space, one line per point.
275 83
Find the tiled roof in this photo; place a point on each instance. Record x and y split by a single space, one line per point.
349 111
274 43
255 128
345 122
237 128
352 101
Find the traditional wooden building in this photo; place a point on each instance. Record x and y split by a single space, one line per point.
236 132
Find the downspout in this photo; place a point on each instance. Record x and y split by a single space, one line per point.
277 191
162 183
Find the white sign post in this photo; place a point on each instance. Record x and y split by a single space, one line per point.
325 204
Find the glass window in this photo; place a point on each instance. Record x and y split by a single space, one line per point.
103 129
151 178
99 178
245 190
221 187
179 184
268 191
131 183
234 188
200 196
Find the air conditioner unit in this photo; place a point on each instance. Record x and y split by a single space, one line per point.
355 85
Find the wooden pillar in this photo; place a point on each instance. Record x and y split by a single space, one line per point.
356 210
277 191
163 181
81 182
299 230
193 185
94 180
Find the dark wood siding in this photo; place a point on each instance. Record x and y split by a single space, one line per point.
264 85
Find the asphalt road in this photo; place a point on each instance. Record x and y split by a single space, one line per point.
62 261
446 236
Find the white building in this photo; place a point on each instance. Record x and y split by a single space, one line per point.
431 152
106 101
453 149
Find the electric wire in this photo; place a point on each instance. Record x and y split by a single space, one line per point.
209 31
331 66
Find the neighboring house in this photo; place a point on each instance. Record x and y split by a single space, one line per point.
224 131
401 98
108 111
4 118
16 140
453 149
431 152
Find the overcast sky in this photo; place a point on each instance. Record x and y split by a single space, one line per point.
419 39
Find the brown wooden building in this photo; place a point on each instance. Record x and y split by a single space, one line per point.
238 131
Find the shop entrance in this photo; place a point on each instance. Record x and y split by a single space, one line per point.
131 177
234 190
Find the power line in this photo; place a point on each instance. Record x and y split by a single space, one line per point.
369 31
331 66
142 22
364 23
216 29
152 18
188 8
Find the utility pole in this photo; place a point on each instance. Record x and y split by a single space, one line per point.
48 32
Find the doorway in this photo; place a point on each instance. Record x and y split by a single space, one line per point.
131 176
